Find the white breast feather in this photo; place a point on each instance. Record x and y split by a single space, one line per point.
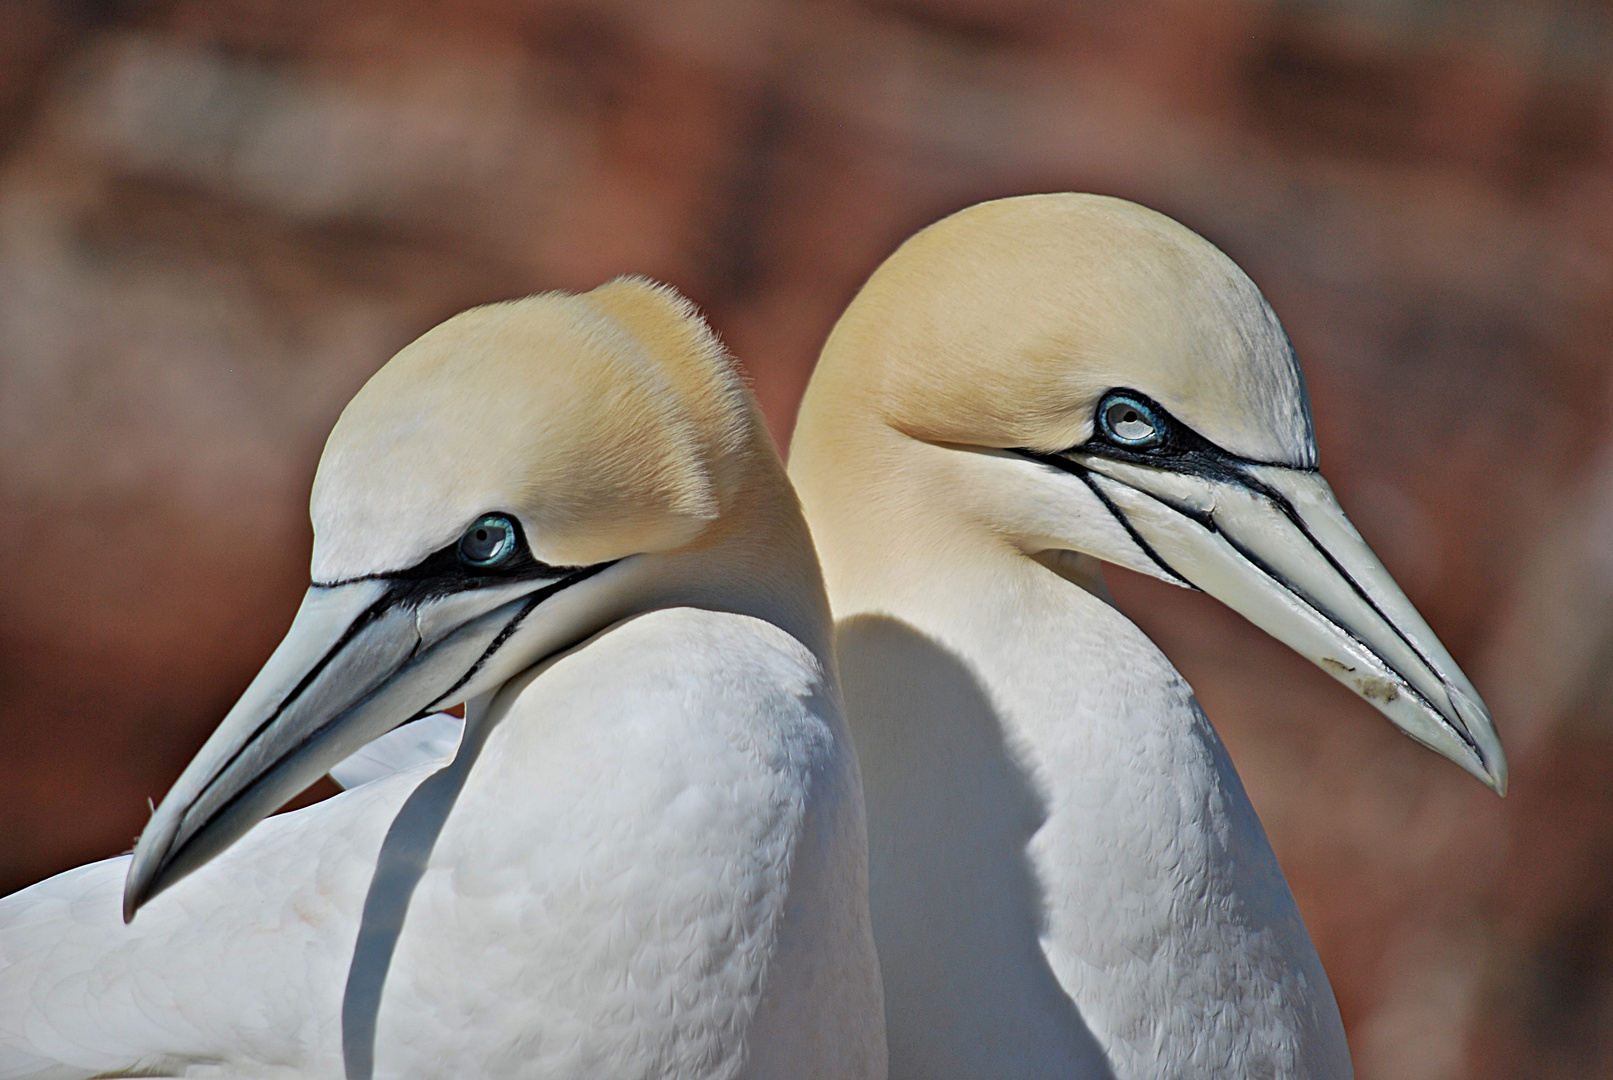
1168 919
603 901
1122 915
620 923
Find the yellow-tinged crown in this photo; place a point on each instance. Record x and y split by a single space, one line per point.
608 423
1004 324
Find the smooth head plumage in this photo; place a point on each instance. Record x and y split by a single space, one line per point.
1003 324
609 423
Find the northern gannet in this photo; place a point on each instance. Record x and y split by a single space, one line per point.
1068 878
647 858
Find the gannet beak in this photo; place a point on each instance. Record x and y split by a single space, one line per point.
1273 544
360 659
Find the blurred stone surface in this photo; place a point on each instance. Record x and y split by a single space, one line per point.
217 217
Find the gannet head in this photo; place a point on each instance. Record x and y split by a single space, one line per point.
1081 374
514 481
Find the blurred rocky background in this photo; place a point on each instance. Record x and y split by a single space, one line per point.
217 217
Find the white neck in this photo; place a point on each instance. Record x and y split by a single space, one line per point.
1067 877
756 558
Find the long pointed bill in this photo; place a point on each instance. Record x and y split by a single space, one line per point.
360 659
1274 545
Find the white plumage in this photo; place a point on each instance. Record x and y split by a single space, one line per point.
433 738
646 858
1067 876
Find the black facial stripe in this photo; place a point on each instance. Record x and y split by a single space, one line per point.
1406 684
1064 464
1186 451
1181 449
1254 484
1231 470
437 575
580 574
364 618
443 573
369 615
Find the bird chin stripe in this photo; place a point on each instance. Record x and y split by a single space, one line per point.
515 624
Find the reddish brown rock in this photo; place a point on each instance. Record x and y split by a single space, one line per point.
216 218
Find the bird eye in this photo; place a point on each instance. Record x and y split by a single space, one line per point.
1131 422
489 542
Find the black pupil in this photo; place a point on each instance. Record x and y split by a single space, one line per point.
1129 423
484 543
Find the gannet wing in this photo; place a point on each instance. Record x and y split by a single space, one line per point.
234 970
431 740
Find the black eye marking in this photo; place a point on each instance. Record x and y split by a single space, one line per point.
1131 426
1132 421
492 551
488 543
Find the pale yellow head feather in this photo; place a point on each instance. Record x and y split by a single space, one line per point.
1004 324
608 423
